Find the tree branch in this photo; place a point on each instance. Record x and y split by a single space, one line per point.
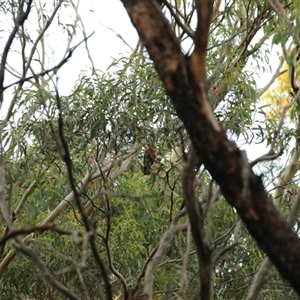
44 271
196 217
22 16
54 69
184 80
65 154
163 245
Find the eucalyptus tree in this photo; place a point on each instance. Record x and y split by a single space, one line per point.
75 201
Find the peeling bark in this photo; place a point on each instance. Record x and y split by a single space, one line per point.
185 83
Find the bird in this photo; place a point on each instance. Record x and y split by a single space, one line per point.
149 158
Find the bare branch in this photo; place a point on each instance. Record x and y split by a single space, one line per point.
21 18
44 271
163 245
16 232
54 69
65 154
196 217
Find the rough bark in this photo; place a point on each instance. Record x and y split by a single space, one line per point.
185 83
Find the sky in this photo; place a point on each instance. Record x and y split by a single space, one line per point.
107 19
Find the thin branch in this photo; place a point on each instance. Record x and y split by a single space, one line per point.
184 27
120 37
65 154
223 252
163 245
196 217
228 232
22 16
25 196
184 278
54 69
115 271
27 65
143 270
271 155
78 17
40 36
274 77
49 278
16 232
294 210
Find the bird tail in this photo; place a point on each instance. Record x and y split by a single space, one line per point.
146 170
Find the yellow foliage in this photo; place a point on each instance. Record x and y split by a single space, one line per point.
279 95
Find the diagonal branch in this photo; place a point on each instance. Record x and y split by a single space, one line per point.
227 165
49 278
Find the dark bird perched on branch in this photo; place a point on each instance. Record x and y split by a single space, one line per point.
149 158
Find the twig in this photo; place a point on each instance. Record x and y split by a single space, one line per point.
54 69
271 155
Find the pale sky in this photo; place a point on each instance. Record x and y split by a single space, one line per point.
99 16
